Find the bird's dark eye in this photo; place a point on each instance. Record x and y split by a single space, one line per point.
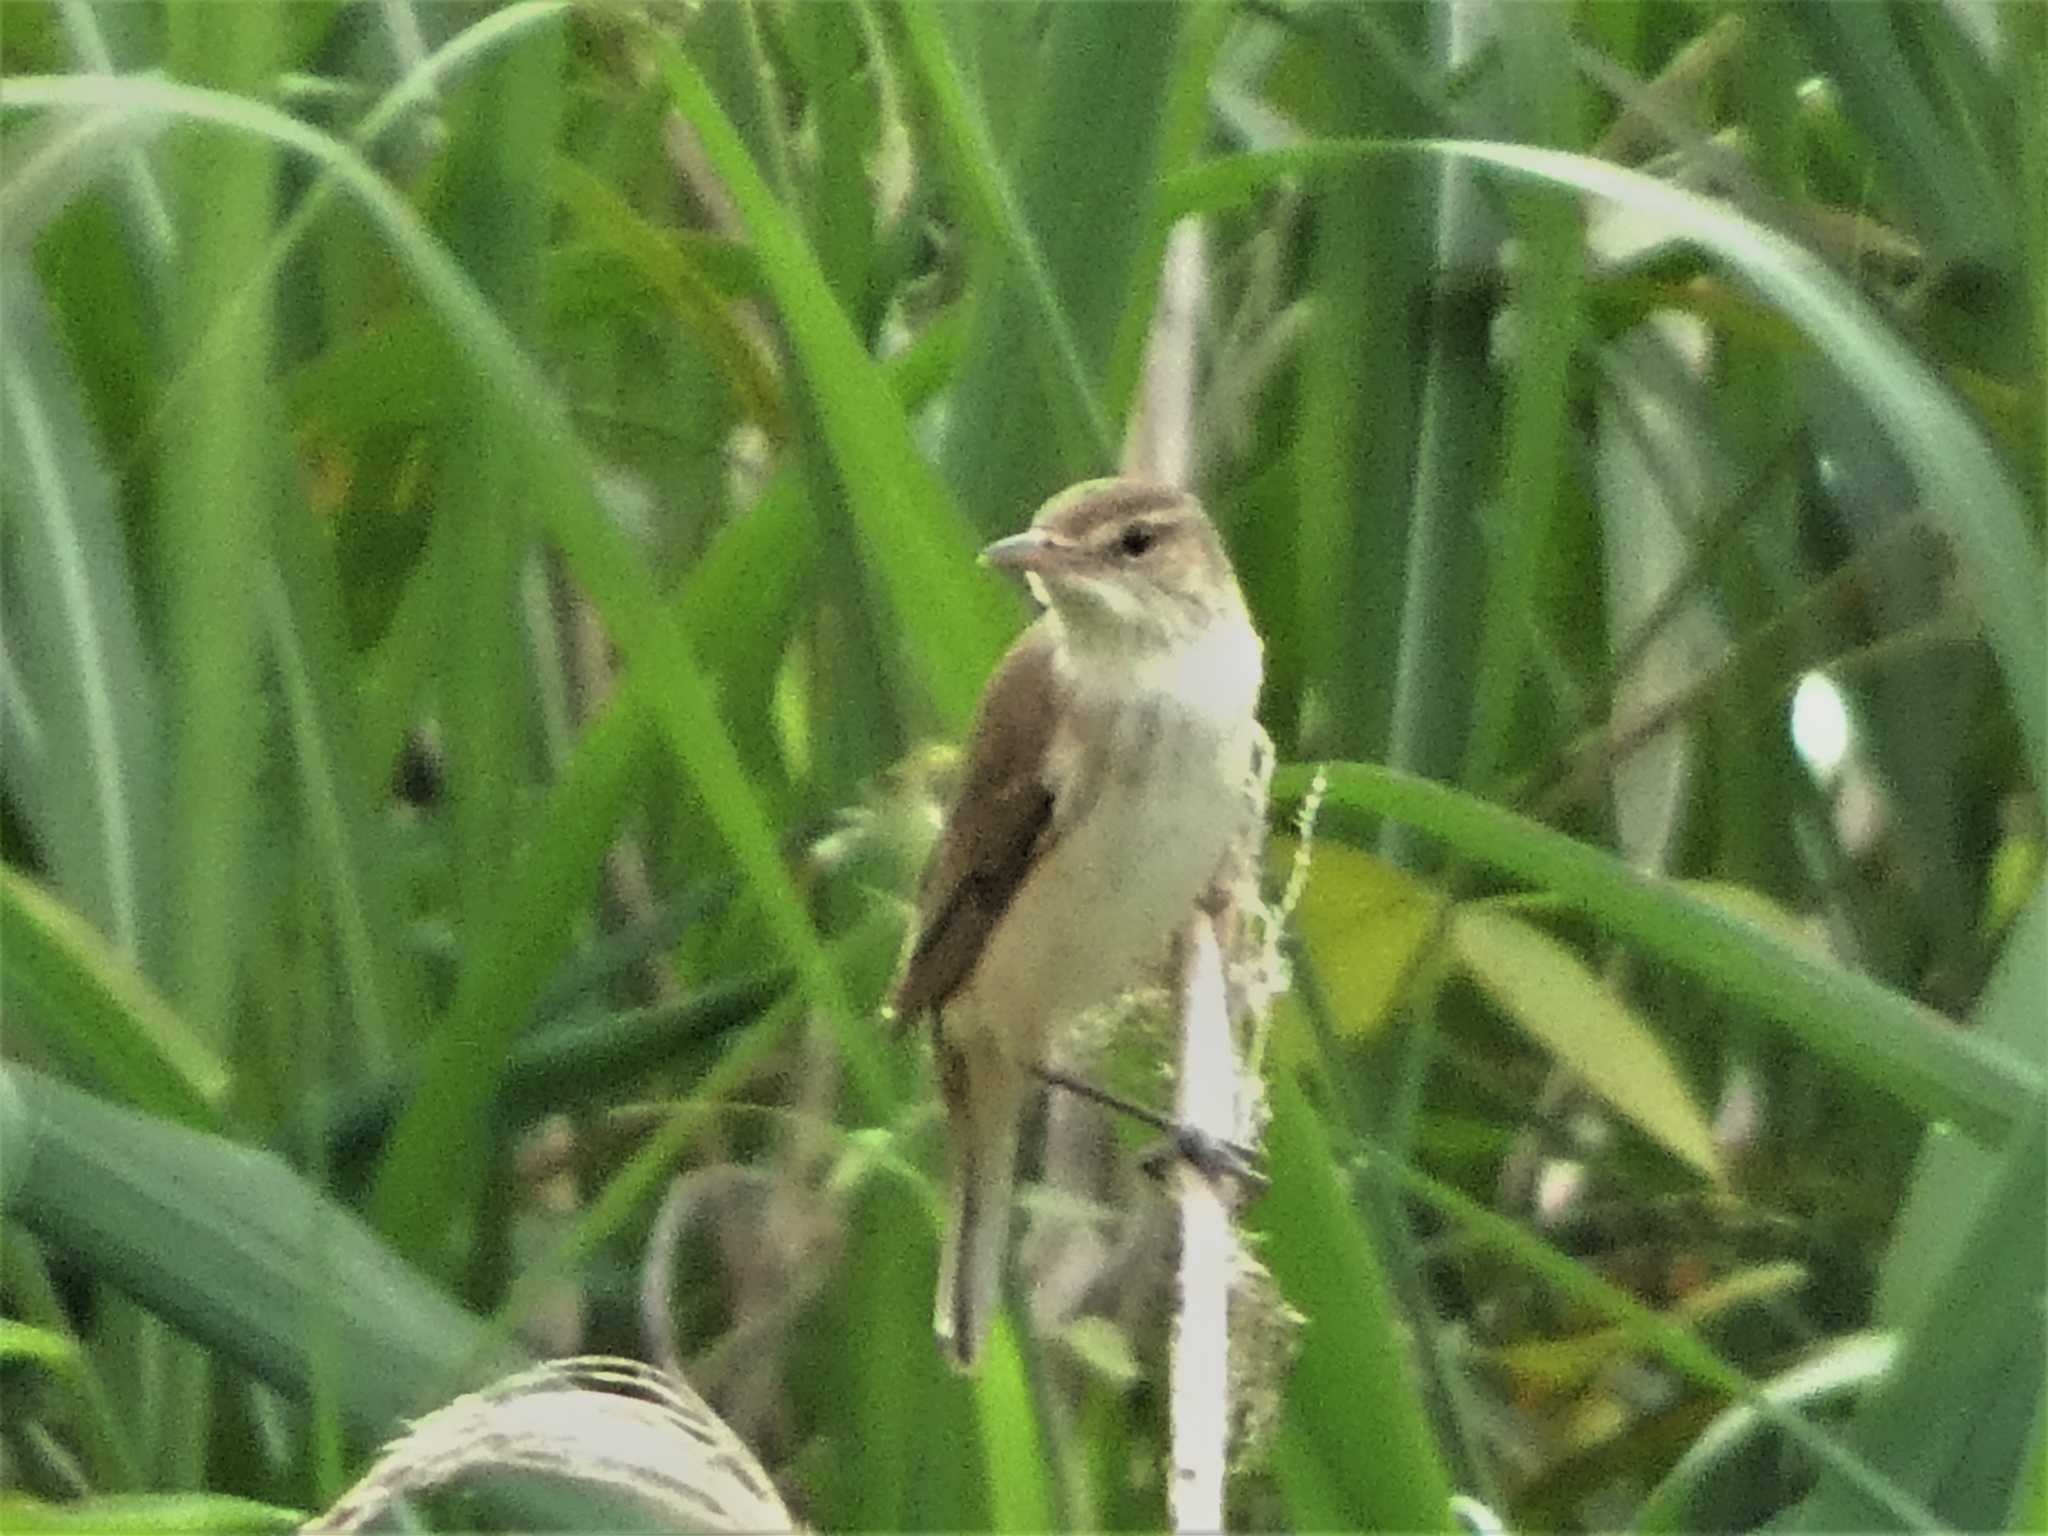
1136 539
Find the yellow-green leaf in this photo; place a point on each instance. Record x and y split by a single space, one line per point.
23 1341
1363 921
1566 1364
1549 991
1753 906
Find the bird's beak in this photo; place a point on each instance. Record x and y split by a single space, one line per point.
1031 550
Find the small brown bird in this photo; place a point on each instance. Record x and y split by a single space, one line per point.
1105 783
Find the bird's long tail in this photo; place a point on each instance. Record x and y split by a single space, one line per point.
984 1108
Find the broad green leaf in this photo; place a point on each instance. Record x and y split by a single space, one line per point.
236 1250
1587 1026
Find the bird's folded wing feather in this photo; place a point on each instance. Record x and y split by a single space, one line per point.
1001 825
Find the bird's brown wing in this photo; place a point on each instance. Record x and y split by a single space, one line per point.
1001 824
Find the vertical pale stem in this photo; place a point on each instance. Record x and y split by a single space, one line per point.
1207 1104
1161 447
1160 442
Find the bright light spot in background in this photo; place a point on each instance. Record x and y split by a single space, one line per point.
1820 726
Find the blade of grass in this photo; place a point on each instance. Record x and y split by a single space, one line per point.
73 997
1546 285
1956 199
915 542
219 483
840 84
1952 1173
597 553
496 215
1351 1386
494 212
435 1162
1670 1340
1879 1035
43 180
1682 1499
80 677
1021 1497
999 219
682 706
147 209
145 1514
1362 378
104 1439
1963 487
1184 111
1956 1422
420 86
301 616
1086 153
1964 1275
668 268
589 1058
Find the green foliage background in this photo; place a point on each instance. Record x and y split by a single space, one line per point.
490 508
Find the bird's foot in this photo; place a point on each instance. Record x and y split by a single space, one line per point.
1218 1160
1214 1157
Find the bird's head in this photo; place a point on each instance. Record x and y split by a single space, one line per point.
1125 563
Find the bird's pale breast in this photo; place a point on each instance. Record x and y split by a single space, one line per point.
1156 780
